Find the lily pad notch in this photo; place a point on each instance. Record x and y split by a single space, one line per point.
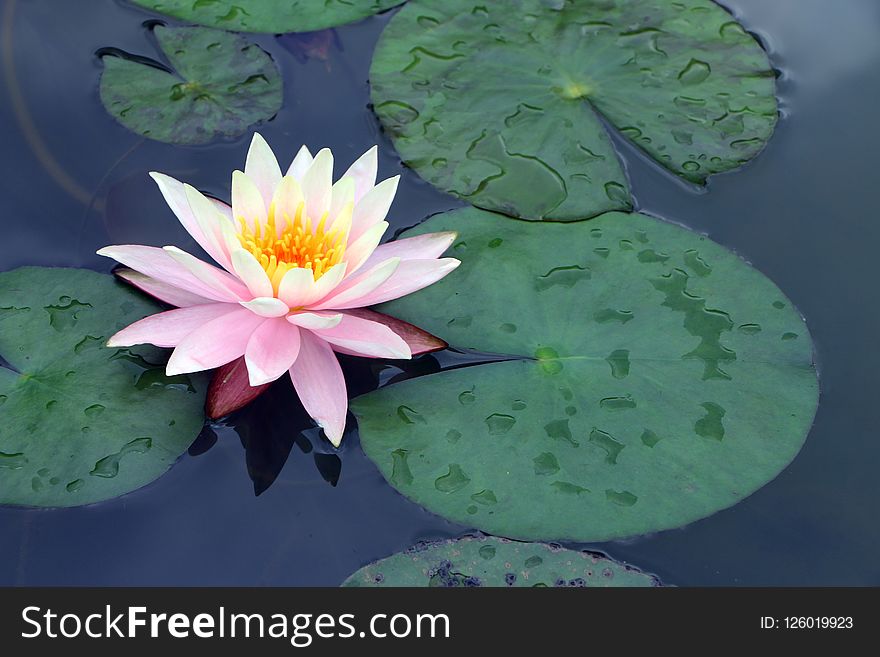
660 379
500 103
217 85
81 422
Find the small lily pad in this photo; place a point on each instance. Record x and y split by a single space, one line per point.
272 16
80 422
218 85
490 561
503 103
632 401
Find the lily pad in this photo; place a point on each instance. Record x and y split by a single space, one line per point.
218 85
272 16
654 379
503 104
80 422
489 561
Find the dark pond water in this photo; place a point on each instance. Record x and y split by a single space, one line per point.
804 213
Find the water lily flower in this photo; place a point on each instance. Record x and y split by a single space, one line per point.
298 256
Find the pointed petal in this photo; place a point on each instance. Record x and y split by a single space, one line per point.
214 224
267 307
271 351
363 337
374 206
341 198
215 278
420 247
169 328
262 168
198 225
231 390
363 172
359 251
161 291
411 276
247 202
286 202
252 273
418 340
215 343
316 185
348 294
160 265
298 288
318 380
300 164
314 321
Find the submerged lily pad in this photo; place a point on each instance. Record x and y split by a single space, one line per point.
219 85
489 561
272 16
655 378
80 422
501 104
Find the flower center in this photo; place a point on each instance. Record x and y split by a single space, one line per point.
280 246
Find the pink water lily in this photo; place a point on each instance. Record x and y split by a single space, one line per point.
298 254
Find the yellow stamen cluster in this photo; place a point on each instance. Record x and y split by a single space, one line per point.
293 243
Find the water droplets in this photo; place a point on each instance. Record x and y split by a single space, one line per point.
400 472
454 480
695 72
566 277
499 424
108 466
710 425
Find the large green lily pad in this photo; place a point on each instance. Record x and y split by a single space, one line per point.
500 103
655 378
220 84
489 561
80 422
272 16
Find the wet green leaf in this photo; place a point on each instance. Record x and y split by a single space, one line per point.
80 422
219 85
500 103
272 16
489 561
652 380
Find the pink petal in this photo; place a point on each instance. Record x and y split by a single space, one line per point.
286 202
221 281
421 247
363 172
169 328
231 390
299 288
215 343
160 265
247 201
341 198
197 225
161 291
350 291
300 164
214 225
262 168
318 380
363 337
271 351
360 250
314 321
252 273
267 307
418 340
410 276
373 207
316 185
